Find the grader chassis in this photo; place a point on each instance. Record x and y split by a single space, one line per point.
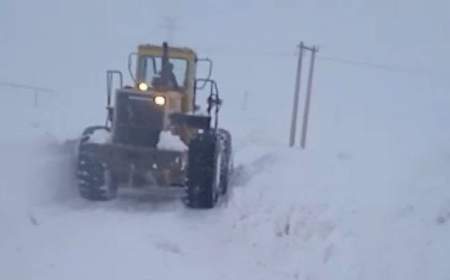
154 133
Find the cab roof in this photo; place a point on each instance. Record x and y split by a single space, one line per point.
174 52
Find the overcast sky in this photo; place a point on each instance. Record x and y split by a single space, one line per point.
410 34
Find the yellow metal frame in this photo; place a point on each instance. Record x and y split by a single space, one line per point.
174 52
187 94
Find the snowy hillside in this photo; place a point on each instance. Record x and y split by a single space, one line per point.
368 199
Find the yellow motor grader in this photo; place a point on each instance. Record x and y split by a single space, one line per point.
155 132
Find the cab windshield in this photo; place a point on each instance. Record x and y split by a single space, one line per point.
152 72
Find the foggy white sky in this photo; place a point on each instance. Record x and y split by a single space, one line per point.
41 35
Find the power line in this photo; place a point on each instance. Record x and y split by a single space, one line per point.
26 86
36 91
367 64
338 60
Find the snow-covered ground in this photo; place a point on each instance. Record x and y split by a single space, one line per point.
368 199
355 213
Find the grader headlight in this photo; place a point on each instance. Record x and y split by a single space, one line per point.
143 86
159 100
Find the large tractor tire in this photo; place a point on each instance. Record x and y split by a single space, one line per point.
95 181
226 165
203 173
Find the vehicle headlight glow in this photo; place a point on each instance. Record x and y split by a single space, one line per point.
159 100
143 86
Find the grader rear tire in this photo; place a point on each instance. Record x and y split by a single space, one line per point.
202 174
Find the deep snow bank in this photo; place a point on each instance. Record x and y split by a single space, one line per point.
356 216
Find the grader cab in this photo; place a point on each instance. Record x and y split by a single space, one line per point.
156 134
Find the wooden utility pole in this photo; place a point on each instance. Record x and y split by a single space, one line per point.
296 97
293 131
314 50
